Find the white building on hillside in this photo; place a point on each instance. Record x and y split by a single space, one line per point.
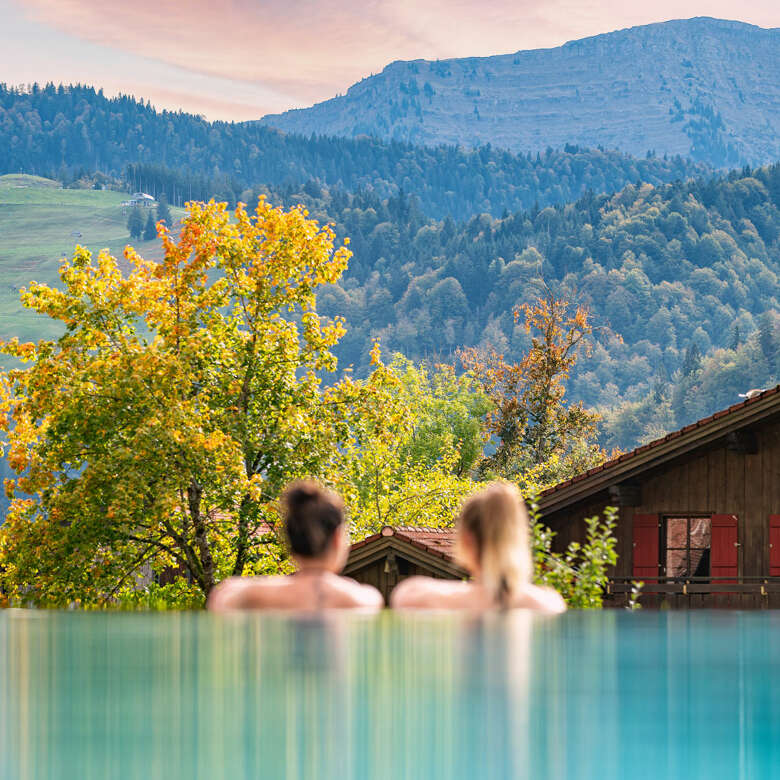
141 199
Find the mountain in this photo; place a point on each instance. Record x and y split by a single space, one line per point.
62 131
704 88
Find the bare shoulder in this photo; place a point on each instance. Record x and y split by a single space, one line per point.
541 599
244 593
349 593
430 593
294 593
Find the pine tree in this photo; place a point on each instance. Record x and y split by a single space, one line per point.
659 391
163 212
150 231
736 337
692 361
135 223
768 340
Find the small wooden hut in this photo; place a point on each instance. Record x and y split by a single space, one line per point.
384 559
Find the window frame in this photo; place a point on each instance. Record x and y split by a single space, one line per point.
664 549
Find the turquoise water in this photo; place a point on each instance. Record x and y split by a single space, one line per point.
589 695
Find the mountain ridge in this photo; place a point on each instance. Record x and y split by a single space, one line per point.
702 87
64 131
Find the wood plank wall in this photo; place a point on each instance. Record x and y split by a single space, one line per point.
374 574
716 480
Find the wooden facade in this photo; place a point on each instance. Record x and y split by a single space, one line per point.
720 475
386 558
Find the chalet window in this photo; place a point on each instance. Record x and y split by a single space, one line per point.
678 547
687 545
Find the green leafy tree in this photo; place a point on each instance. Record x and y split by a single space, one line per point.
399 465
448 413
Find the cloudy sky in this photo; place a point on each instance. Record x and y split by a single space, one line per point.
240 59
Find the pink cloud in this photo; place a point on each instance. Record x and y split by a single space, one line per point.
305 51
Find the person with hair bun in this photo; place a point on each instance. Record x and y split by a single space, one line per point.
492 544
318 541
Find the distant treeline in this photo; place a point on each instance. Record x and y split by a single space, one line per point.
61 131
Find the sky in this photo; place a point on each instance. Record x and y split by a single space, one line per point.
242 59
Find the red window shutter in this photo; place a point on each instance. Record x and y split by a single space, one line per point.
774 545
646 554
724 554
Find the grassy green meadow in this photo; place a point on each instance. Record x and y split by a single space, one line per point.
38 220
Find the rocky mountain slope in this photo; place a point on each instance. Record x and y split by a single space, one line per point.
702 87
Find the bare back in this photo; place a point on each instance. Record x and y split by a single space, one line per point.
429 593
308 592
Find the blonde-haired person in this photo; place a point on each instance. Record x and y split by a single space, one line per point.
493 546
316 531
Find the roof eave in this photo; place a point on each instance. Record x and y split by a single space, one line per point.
659 454
377 547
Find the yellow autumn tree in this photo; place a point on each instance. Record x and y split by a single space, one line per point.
540 439
157 431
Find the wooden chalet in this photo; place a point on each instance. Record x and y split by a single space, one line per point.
698 517
699 511
384 559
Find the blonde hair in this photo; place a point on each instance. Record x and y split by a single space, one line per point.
497 521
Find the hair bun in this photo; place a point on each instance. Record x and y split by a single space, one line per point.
301 493
312 513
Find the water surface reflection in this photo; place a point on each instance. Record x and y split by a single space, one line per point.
603 695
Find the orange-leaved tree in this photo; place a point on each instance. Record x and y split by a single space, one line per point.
157 431
540 439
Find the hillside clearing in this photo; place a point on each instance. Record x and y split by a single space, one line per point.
40 223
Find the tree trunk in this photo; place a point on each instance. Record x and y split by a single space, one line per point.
242 547
194 493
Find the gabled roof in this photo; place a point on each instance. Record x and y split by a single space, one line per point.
431 547
438 541
697 435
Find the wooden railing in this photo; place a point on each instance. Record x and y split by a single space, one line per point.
742 592
760 585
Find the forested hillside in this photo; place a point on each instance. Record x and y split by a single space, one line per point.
681 278
704 88
60 132
669 274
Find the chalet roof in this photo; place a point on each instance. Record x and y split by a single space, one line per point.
430 547
697 435
439 541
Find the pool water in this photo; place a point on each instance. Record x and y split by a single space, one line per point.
597 695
